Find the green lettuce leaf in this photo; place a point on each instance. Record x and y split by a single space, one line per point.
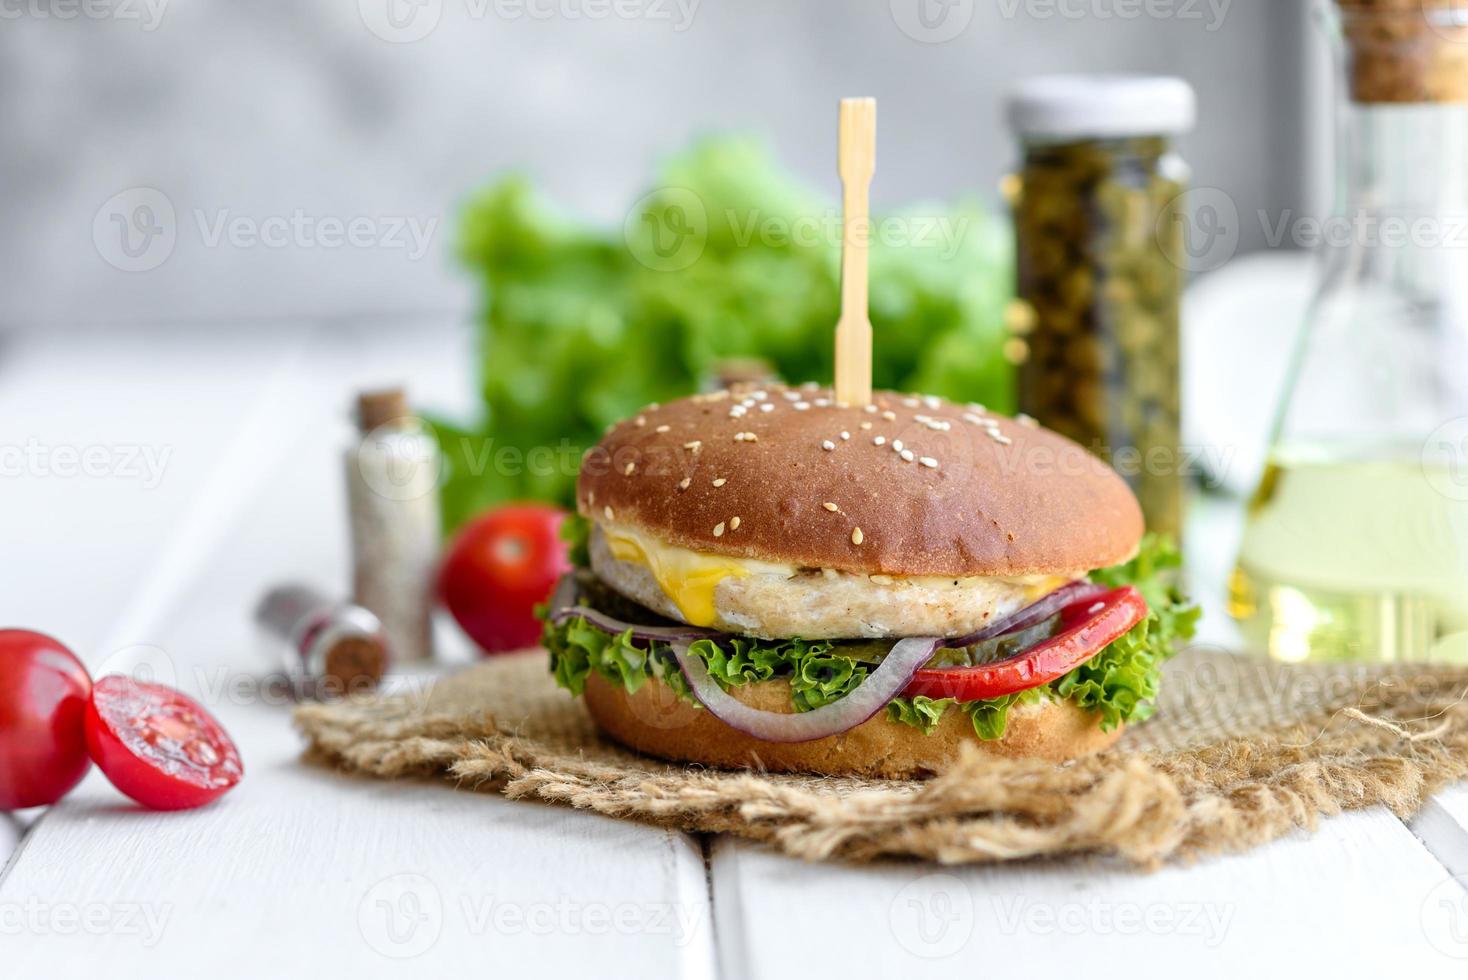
1154 573
1121 682
990 719
919 712
817 674
577 648
576 532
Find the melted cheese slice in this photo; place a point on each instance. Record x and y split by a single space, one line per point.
687 578
690 578
1038 587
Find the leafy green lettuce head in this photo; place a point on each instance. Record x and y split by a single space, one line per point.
727 257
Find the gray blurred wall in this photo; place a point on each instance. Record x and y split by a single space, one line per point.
223 109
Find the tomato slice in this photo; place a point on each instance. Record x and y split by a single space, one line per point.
158 746
1085 629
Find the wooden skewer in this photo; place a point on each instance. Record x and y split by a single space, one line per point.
858 161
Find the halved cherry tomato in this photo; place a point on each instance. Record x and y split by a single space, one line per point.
1085 629
158 746
43 696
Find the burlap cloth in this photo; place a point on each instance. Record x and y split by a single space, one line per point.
1241 751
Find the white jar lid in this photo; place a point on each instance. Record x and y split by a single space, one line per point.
1101 106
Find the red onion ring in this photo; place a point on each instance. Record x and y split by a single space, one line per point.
886 682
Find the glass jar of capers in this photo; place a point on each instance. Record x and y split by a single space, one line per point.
1094 327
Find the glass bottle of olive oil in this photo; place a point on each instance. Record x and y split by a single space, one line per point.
1358 554
1356 545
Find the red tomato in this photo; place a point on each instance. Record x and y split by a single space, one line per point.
499 567
43 696
1086 628
158 746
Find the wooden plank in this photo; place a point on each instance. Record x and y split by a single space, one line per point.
10 834
157 413
1442 825
1287 908
304 872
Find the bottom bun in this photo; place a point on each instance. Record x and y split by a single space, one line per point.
656 722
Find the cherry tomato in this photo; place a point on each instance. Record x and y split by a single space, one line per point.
158 746
499 567
1086 628
43 696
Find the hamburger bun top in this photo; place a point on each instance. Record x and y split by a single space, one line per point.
910 485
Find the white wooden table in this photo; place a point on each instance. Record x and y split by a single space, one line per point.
301 872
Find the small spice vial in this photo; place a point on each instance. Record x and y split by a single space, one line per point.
392 494
328 648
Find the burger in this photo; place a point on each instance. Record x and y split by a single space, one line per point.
767 578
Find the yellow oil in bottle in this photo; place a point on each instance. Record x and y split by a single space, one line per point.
1359 558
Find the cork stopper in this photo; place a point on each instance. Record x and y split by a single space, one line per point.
378 408
1405 50
354 664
